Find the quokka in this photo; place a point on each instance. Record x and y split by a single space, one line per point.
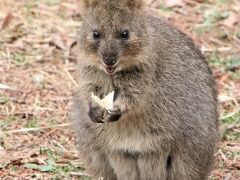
164 121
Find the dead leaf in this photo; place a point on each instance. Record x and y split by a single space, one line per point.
35 160
71 155
200 1
18 44
231 20
174 3
8 18
224 98
4 86
4 141
4 158
58 42
228 176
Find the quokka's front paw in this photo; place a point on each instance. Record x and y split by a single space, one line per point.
96 113
114 114
100 115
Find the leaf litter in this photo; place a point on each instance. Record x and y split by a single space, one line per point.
37 81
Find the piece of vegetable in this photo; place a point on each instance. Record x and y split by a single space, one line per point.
106 102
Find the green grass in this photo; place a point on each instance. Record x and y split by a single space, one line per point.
3 100
216 60
19 58
32 123
219 2
237 34
210 17
232 136
59 171
39 80
7 121
230 63
230 118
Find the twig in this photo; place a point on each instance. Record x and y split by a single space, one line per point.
223 156
60 146
224 128
221 49
231 114
4 86
231 126
228 176
35 129
79 174
71 78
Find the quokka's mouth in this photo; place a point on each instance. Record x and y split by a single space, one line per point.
110 69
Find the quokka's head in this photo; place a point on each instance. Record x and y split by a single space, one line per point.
112 33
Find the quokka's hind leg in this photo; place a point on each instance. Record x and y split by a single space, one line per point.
152 167
98 166
184 168
125 166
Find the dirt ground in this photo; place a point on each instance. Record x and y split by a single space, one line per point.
37 82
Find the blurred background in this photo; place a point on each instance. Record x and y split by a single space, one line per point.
37 81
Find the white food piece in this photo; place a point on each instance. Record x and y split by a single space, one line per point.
106 102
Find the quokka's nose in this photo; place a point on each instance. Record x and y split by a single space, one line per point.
109 61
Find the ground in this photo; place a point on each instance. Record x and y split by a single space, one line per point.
37 82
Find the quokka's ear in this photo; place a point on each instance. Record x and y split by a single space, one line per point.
134 3
85 4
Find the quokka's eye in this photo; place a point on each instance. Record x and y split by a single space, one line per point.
125 34
96 34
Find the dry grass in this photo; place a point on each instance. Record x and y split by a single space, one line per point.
36 82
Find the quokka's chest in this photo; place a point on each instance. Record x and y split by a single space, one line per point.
131 140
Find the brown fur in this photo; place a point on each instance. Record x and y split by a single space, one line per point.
167 127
